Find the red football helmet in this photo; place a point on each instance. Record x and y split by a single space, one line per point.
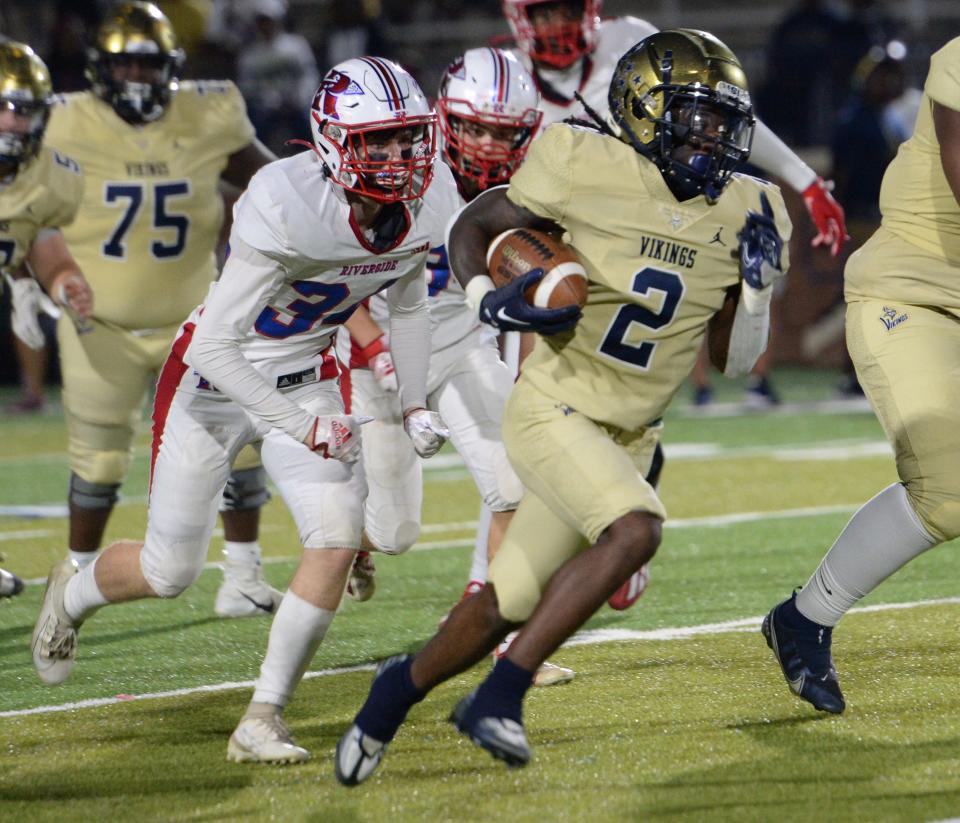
559 40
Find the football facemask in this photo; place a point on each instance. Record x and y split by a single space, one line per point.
555 33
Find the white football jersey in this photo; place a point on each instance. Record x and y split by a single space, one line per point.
451 319
325 264
590 76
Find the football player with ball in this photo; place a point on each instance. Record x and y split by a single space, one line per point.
639 199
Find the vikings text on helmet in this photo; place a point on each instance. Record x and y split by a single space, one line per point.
361 102
492 89
135 33
25 92
680 98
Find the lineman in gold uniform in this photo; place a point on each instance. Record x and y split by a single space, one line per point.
903 332
650 204
153 151
40 191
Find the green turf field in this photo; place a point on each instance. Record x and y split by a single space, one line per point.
663 722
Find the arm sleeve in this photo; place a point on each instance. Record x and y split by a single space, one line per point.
410 337
774 156
248 281
749 335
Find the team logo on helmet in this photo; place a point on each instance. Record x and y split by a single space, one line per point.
331 88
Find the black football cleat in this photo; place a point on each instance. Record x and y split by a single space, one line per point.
805 660
502 737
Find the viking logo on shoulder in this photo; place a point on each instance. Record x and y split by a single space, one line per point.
331 88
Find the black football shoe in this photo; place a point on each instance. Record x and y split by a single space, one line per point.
803 652
502 737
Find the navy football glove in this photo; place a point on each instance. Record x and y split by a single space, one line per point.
508 310
761 247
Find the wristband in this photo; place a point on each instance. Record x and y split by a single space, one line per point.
476 288
371 350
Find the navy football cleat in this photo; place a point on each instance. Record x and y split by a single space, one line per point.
804 658
502 737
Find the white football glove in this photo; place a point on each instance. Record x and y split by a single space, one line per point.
336 436
427 431
28 302
382 367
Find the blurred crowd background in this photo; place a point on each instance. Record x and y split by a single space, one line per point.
839 80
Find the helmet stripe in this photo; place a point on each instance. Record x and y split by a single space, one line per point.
390 86
499 74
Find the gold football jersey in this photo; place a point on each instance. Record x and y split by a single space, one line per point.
918 207
45 194
915 198
151 212
658 271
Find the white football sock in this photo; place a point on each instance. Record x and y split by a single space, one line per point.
478 566
883 536
246 553
82 596
83 559
297 631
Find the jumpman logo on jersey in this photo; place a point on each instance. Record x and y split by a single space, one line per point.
716 237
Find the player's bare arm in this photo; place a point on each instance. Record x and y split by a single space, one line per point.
243 164
482 220
947 123
363 328
719 329
56 270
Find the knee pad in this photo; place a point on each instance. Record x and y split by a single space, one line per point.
394 539
92 496
245 490
174 570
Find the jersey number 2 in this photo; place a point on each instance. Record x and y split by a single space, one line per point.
132 195
645 282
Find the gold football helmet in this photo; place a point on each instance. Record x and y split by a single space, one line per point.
25 97
680 98
134 62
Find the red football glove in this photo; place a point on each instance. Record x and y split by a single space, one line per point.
827 215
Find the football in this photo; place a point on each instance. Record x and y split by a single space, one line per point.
517 251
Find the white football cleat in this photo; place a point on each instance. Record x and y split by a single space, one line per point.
10 584
244 592
357 756
548 674
361 584
55 634
264 739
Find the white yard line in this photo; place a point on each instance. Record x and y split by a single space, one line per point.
587 638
